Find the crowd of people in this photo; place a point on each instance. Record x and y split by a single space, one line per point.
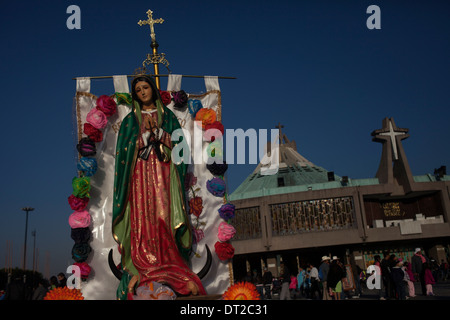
18 289
324 282
327 280
398 276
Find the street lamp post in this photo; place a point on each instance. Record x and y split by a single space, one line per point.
26 209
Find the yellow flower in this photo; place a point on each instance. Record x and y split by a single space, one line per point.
241 291
64 293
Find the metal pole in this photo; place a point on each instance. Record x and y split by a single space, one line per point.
33 233
26 209
153 75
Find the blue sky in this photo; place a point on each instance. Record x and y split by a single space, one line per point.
314 66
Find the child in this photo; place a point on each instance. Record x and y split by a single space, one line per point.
429 279
293 286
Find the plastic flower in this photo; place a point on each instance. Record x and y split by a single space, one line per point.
214 149
226 232
165 97
77 204
226 211
64 293
88 166
106 105
86 147
241 291
224 250
81 187
217 169
193 106
81 251
213 130
205 116
80 219
97 118
216 186
85 269
93 133
80 235
180 98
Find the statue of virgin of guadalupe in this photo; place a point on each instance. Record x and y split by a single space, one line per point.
150 222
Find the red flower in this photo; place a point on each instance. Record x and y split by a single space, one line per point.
224 250
196 206
77 204
210 135
165 97
107 105
95 134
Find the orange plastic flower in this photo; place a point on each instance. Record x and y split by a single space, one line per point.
241 291
64 293
205 116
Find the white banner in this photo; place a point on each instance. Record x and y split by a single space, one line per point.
102 284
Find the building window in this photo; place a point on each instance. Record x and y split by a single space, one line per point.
247 223
281 182
312 215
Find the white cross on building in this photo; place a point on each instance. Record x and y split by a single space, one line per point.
393 134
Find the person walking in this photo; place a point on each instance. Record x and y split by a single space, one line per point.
301 281
386 275
314 278
285 281
417 262
398 277
334 280
293 286
428 279
323 274
267 283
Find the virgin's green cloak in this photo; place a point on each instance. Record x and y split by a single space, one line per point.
126 155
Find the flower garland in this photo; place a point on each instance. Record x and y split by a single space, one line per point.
80 219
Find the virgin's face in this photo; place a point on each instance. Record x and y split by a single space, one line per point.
144 92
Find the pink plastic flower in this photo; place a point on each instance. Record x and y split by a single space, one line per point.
85 269
80 219
226 232
97 118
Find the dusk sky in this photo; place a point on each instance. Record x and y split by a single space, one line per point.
313 66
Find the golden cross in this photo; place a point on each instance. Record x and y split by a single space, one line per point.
151 22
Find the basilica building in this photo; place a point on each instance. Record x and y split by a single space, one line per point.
303 211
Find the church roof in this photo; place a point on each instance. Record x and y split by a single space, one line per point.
295 173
